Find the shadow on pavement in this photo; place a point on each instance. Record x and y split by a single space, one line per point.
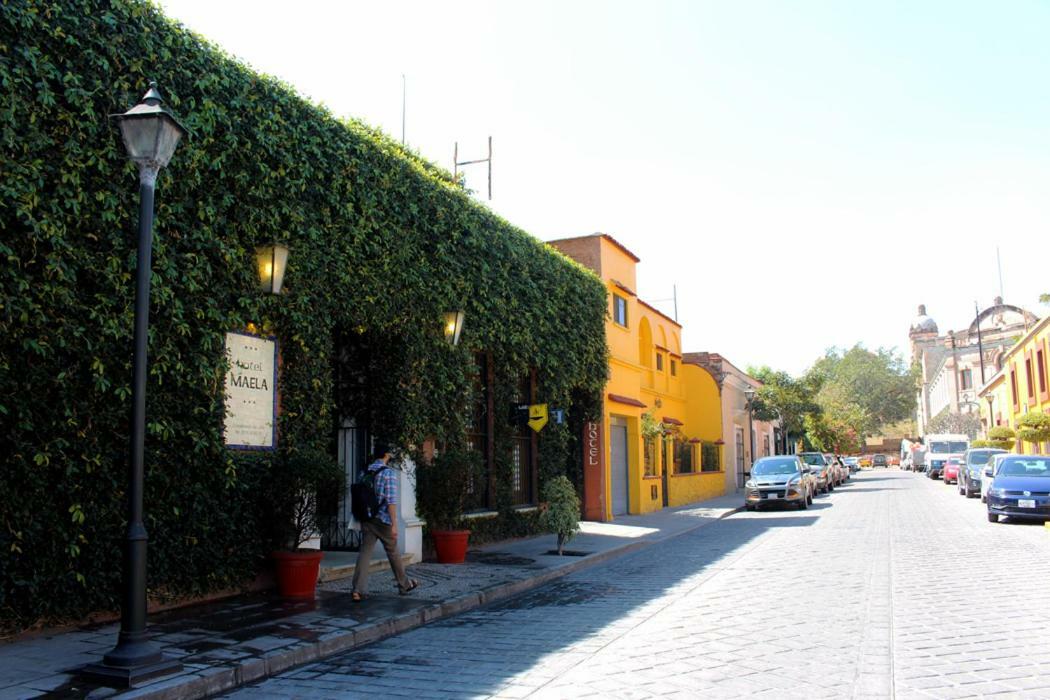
478 653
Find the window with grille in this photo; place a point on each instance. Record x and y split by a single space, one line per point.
521 452
709 457
649 454
966 379
683 457
477 435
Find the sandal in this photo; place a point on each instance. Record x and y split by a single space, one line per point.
412 585
357 597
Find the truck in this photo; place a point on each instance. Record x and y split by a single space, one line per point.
940 448
913 456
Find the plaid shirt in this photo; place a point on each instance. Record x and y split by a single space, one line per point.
385 487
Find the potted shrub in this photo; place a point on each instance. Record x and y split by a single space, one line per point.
295 485
562 516
1034 428
442 490
1002 437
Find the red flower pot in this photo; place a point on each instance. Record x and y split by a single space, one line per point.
297 573
451 545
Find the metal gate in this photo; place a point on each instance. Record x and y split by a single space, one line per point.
341 532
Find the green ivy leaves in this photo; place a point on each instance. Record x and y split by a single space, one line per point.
381 241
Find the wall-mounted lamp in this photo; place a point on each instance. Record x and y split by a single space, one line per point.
453 326
271 259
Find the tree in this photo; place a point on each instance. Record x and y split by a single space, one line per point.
783 397
873 388
968 424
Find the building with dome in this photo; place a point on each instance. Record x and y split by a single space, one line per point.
951 365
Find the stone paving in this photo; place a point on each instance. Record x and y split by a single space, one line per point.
241 639
892 586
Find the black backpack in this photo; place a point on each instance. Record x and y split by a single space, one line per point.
364 501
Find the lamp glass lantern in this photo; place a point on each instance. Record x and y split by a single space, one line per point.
453 326
271 260
750 394
150 132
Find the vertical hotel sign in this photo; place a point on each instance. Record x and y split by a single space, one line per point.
251 392
593 471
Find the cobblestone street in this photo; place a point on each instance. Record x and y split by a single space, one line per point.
893 586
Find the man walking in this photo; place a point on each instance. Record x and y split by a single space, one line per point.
382 527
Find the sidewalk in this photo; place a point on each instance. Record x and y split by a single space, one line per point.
238 640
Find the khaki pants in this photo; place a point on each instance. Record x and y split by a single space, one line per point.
371 531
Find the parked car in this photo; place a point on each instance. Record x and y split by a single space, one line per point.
1021 489
880 461
820 469
837 478
974 461
988 475
844 474
950 473
852 463
781 479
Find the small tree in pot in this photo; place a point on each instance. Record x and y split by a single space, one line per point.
1002 437
563 510
291 499
443 488
1034 427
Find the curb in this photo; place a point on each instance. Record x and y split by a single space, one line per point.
212 680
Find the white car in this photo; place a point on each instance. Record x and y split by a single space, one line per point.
989 474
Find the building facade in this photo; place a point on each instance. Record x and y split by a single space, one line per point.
745 439
1021 385
658 441
954 365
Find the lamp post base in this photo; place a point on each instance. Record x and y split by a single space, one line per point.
129 676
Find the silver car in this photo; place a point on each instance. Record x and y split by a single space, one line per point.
821 471
781 479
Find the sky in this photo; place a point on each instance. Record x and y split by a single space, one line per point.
805 173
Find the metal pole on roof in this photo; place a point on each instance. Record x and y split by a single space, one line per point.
456 162
980 344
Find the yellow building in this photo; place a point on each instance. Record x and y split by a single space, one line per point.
1021 386
659 441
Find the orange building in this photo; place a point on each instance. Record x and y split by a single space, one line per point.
659 440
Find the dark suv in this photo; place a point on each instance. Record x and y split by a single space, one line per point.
879 461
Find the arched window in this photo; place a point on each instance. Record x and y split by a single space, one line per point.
645 343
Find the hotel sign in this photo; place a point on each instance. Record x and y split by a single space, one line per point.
251 392
593 471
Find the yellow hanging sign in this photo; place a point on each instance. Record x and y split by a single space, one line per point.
537 416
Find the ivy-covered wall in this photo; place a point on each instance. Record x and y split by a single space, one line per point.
381 243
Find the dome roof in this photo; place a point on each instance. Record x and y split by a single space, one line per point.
923 323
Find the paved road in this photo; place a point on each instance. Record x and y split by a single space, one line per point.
893 586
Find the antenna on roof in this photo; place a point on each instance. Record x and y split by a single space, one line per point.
672 298
999 262
456 162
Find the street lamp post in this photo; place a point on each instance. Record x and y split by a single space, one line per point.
749 393
150 135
